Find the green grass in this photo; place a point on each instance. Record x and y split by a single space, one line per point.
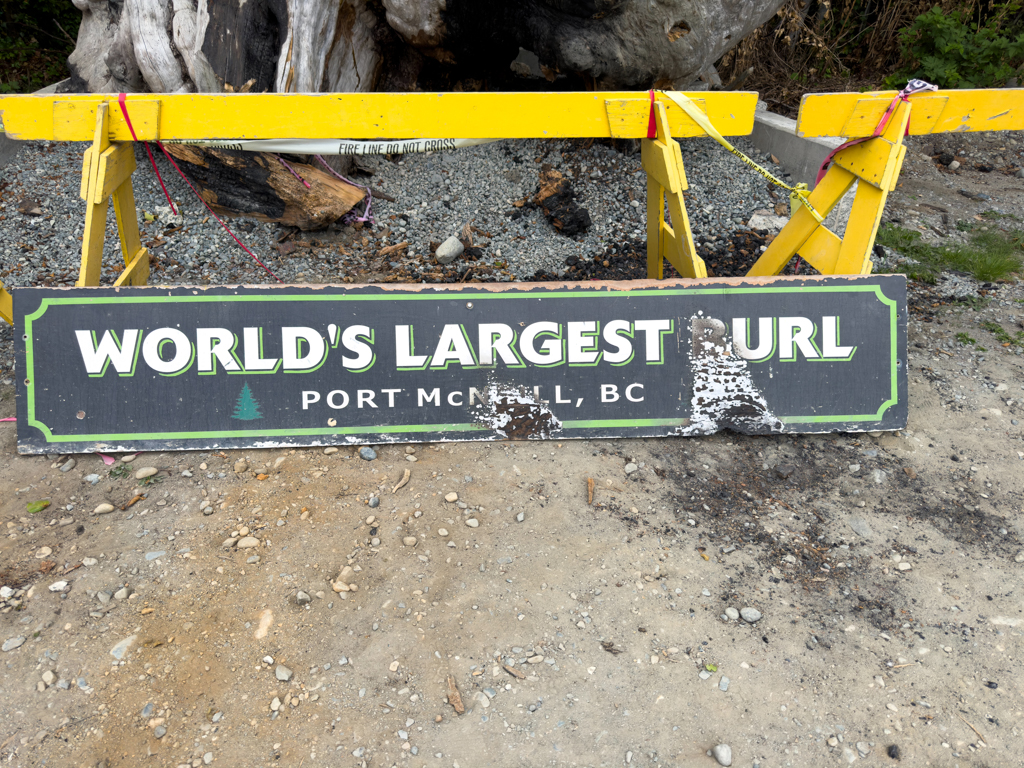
988 256
1003 336
963 338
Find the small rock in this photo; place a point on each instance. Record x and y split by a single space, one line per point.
282 673
451 498
119 650
43 552
14 642
954 165
860 527
241 466
330 451
89 561
275 704
449 250
340 586
410 541
723 684
123 593
1019 558
49 678
442 531
473 522
732 613
248 542
92 479
785 471
631 468
367 453
160 731
750 615
129 458
892 750
904 566
207 758
155 555
301 598
58 586
68 465
374 502
722 753
145 472
520 517
863 748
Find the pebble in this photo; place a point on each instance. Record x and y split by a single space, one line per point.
330 451
863 748
451 498
43 552
49 678
207 758
129 458
750 615
631 468
119 650
410 541
160 731
723 684
145 472
282 673
904 566
155 555
1020 557
954 165
722 753
442 531
301 598
374 502
68 465
248 542
123 593
92 479
732 613
370 520
367 453
58 586
520 517
410 457
241 466
393 666
860 527
473 522
14 642
449 250
275 704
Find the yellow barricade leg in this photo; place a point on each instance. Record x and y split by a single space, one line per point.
107 173
6 305
95 210
666 177
876 164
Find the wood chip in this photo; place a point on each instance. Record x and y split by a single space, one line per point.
133 500
403 481
393 248
454 698
590 491
608 645
513 671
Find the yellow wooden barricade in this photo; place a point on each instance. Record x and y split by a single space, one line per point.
108 164
876 164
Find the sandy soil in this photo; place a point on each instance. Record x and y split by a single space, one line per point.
885 569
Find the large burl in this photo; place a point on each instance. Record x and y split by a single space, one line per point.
364 45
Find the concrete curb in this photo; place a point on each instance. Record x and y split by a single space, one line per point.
800 157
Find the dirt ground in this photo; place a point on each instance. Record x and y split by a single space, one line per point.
885 569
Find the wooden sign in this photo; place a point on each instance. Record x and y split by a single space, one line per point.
115 369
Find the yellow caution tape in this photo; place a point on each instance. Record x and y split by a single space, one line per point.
798 193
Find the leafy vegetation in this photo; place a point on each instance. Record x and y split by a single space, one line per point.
951 51
36 37
1003 336
988 256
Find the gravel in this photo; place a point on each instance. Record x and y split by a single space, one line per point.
437 195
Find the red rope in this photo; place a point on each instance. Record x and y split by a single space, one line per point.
124 110
652 125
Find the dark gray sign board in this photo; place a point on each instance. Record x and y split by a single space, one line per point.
106 369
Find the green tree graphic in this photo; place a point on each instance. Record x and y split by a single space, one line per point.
246 407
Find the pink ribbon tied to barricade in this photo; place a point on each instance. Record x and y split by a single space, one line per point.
912 87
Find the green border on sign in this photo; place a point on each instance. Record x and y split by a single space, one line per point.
470 427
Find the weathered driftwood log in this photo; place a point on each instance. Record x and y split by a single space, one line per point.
258 186
366 45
